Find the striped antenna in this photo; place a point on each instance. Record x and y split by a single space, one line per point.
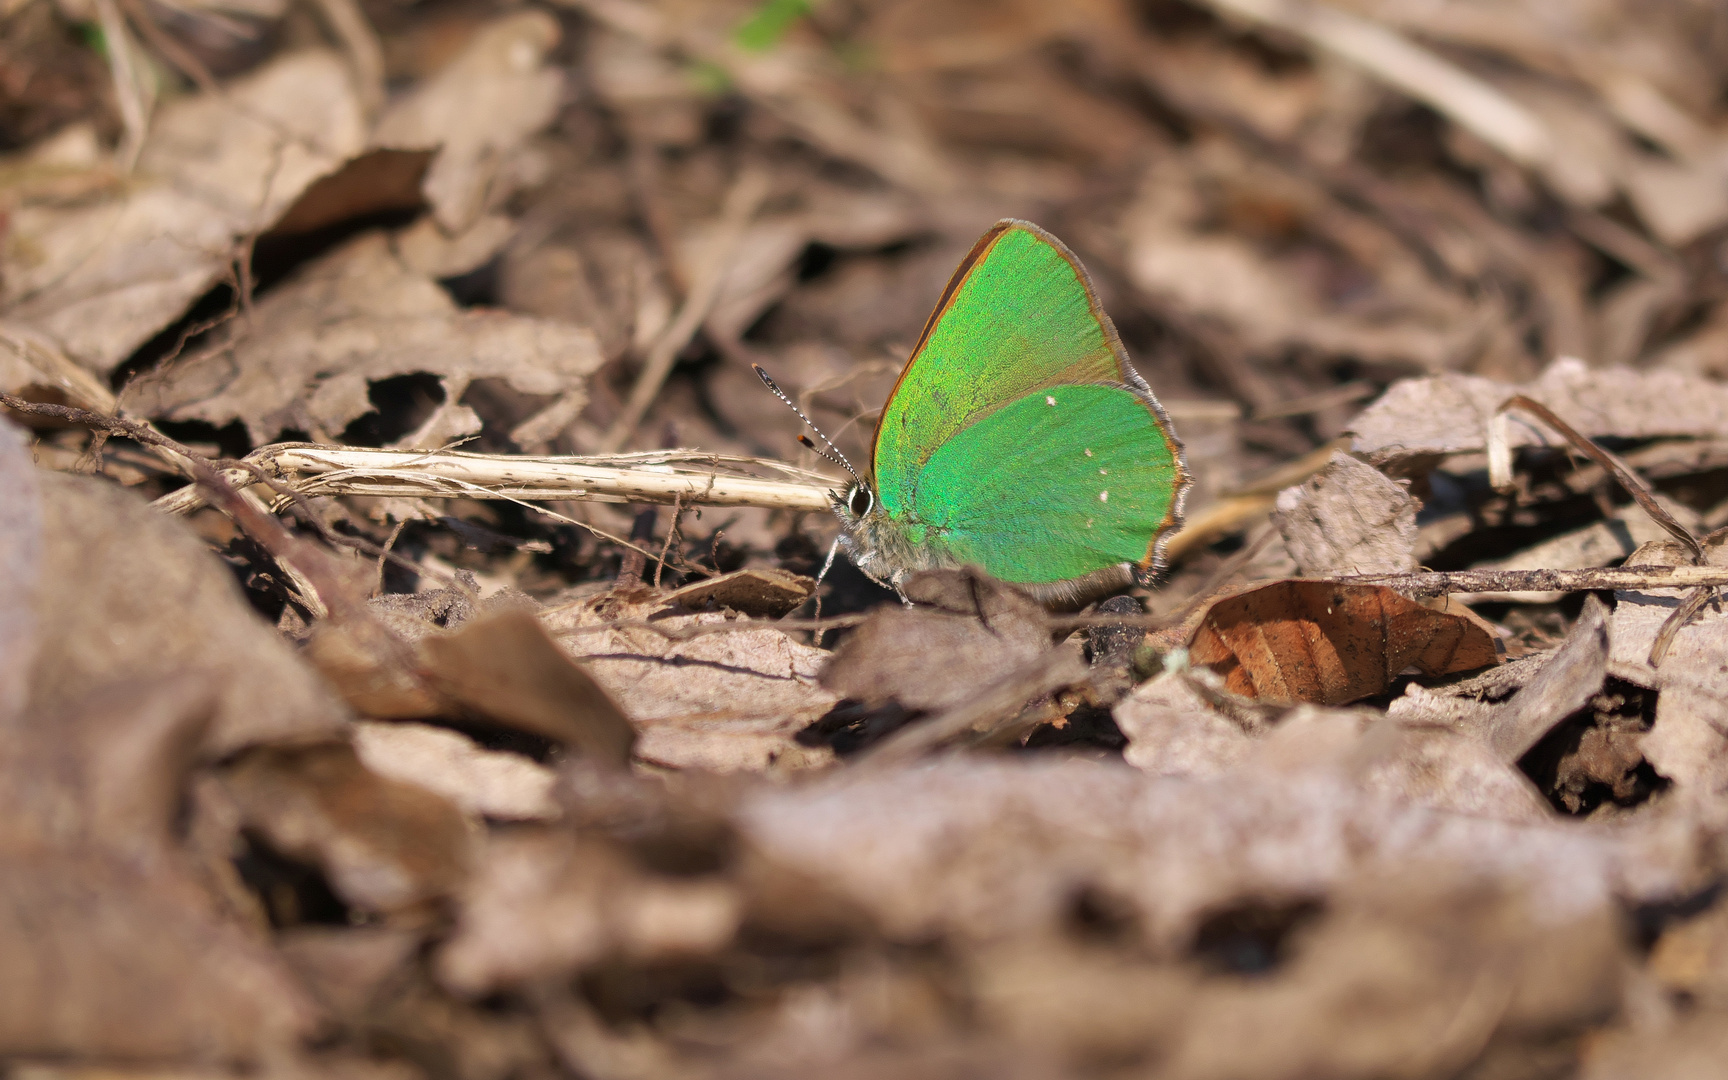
836 456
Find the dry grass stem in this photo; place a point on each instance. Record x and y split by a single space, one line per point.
692 477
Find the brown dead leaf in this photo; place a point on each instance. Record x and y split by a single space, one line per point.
1687 743
1686 1048
350 967
1449 414
762 592
1569 677
112 950
105 961
493 784
1173 731
1331 643
1269 299
99 279
729 701
1409 975
20 560
966 634
384 845
548 904
478 111
507 668
986 850
1349 519
308 357
124 592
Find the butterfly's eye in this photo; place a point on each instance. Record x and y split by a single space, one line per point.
859 500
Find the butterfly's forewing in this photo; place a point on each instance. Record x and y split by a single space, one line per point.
1019 432
1018 315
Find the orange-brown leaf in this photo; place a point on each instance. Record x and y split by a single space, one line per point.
1327 643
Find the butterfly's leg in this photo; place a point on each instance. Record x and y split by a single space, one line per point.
894 583
827 564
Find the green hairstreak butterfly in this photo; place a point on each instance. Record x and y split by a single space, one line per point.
1019 439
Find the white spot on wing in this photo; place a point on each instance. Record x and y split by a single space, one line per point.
1103 472
1103 496
1088 452
1048 400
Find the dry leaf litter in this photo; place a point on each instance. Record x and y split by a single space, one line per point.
483 777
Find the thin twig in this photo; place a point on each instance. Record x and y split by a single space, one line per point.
1627 479
671 534
1591 579
1680 616
360 42
731 626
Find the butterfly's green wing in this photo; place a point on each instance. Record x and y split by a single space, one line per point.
1037 492
971 457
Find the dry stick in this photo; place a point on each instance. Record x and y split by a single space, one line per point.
652 477
388 545
1595 579
1592 579
745 196
1680 616
1500 451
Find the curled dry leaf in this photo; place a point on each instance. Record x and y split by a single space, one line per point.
101 278
1349 519
1331 643
1449 414
731 701
384 845
1569 677
507 668
765 592
314 346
